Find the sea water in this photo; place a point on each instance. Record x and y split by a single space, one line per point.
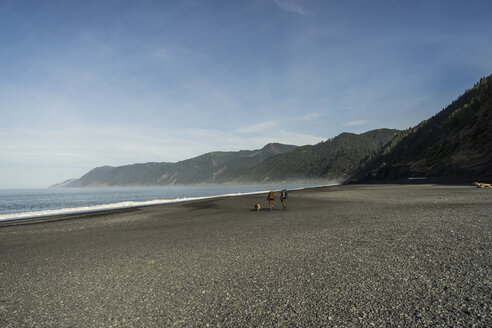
29 203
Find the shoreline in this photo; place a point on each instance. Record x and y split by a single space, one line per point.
66 213
98 210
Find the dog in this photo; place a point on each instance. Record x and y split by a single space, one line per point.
482 185
257 207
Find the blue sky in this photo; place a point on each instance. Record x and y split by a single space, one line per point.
91 83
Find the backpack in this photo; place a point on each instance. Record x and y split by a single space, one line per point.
284 192
271 195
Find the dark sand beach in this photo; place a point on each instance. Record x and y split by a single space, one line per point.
344 256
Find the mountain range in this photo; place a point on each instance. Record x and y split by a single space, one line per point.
455 143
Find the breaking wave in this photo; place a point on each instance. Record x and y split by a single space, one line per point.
112 206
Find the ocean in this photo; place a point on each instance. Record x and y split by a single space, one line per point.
29 203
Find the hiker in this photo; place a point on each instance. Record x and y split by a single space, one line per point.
271 199
283 198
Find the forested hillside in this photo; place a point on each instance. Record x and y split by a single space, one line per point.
336 159
215 167
333 160
455 143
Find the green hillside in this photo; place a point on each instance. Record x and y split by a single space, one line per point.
455 143
215 167
335 159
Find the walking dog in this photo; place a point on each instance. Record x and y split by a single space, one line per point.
257 207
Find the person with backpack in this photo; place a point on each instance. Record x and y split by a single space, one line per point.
271 199
283 198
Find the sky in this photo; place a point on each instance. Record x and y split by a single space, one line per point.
92 83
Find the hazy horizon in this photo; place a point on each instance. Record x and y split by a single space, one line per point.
88 84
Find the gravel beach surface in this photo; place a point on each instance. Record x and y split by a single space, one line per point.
343 256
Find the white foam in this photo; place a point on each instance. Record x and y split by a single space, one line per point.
113 206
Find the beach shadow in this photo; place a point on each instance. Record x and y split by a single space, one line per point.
263 209
201 205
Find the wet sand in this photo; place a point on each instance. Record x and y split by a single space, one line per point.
346 256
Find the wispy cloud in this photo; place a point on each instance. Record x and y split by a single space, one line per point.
255 128
311 116
355 123
214 140
290 5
